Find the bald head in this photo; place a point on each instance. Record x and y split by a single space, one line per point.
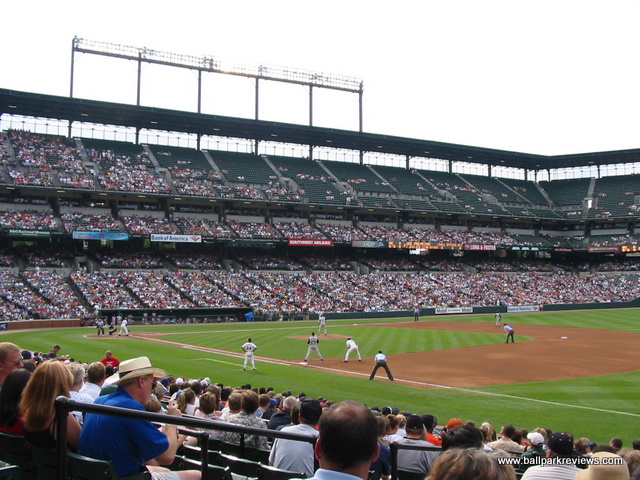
348 438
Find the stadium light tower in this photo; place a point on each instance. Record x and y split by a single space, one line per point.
209 64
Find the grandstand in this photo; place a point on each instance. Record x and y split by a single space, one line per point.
244 227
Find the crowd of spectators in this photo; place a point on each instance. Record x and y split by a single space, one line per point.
39 158
282 283
28 220
249 230
204 227
195 261
56 161
96 222
152 290
127 173
454 448
148 225
275 262
202 289
104 291
298 230
140 224
123 260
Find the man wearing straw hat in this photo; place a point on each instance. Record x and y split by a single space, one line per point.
132 444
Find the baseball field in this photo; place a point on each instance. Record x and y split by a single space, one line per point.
571 371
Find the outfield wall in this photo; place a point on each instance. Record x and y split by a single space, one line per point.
437 312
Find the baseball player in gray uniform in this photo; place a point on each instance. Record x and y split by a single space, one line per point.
313 346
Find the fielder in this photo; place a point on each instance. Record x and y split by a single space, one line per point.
249 347
322 321
498 319
313 346
352 346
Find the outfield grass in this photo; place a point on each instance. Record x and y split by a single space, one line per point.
595 407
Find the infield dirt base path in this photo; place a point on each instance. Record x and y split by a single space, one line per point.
585 352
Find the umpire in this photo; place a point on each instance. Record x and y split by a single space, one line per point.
381 362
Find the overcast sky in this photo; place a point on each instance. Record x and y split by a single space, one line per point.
545 76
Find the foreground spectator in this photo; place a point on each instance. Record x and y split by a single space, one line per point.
49 381
293 455
10 415
283 416
246 417
10 360
129 443
470 464
560 446
348 442
96 375
506 442
417 460
604 471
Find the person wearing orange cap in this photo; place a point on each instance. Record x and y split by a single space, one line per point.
454 423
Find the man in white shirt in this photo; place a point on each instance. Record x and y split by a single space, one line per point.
96 375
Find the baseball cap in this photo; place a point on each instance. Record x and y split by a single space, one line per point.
26 355
454 423
414 422
535 438
561 443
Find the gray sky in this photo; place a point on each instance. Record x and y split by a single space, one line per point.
544 76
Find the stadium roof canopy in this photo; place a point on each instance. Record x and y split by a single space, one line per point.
141 117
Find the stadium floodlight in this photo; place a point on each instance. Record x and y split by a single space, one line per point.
211 64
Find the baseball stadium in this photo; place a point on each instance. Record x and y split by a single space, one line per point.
201 231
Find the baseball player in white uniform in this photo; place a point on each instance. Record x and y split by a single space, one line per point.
313 346
352 346
498 319
123 327
322 321
249 347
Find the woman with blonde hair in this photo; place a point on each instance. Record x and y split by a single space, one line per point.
186 402
470 464
49 381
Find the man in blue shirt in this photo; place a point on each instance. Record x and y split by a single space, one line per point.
132 444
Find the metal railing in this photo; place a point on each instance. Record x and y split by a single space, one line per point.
64 405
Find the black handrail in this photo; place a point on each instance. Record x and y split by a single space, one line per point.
64 405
